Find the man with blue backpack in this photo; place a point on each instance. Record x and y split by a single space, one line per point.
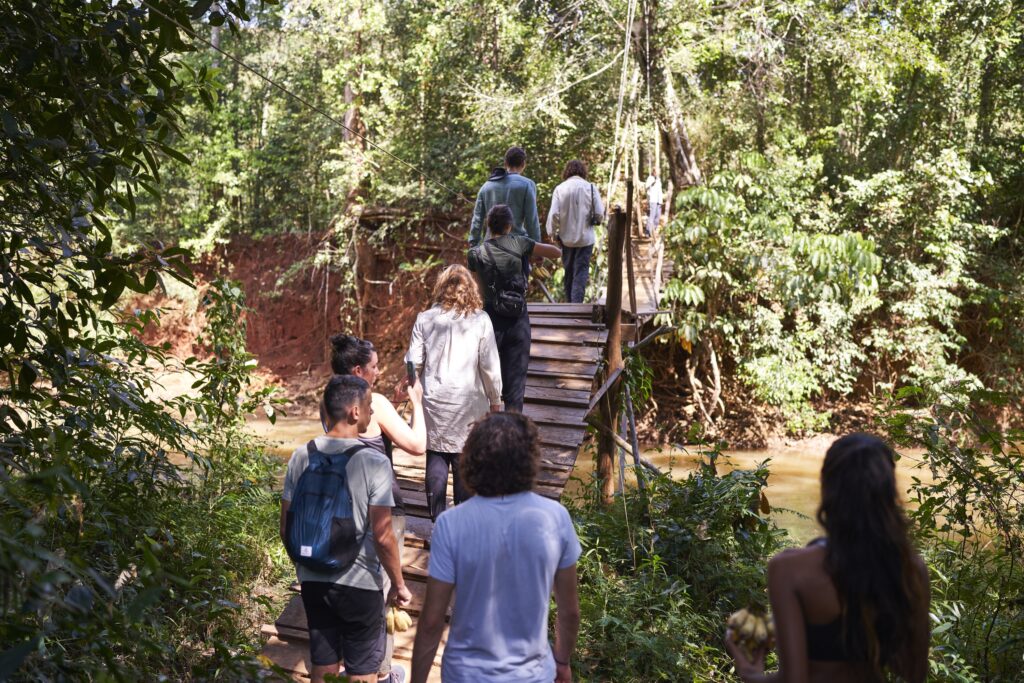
336 525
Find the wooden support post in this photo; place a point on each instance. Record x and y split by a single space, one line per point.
630 275
634 440
622 456
618 225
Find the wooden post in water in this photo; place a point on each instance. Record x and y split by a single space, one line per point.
618 225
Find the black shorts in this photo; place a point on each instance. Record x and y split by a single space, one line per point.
345 624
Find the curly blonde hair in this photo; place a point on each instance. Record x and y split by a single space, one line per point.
456 290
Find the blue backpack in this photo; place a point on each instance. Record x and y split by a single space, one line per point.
320 532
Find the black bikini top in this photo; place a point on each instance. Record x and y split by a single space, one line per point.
825 643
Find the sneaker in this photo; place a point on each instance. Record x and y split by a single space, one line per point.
397 675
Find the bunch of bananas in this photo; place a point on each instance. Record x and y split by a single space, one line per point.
751 629
398 620
541 272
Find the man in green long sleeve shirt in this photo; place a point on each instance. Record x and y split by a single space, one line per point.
508 186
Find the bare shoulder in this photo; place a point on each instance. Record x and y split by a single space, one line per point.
794 560
793 555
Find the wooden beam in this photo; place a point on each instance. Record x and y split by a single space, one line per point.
618 225
599 394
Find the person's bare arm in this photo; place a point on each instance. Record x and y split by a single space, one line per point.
567 622
411 438
789 633
387 551
790 627
542 250
430 627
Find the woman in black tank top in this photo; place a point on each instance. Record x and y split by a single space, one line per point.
853 605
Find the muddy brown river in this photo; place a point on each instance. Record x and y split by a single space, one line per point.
792 486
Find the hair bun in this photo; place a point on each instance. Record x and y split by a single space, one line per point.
340 342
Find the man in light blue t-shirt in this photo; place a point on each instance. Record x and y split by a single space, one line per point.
502 552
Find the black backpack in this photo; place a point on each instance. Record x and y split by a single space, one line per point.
508 294
320 531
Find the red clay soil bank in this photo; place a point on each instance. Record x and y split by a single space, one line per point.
295 308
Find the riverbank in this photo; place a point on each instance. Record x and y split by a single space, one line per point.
794 464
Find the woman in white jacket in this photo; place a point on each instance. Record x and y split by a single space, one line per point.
456 357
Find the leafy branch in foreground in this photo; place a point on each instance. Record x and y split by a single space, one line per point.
969 515
102 573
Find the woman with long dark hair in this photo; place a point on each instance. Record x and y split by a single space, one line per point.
854 604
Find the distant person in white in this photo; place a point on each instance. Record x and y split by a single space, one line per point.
502 552
654 199
575 209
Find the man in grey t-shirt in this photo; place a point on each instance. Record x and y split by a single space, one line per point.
345 611
502 553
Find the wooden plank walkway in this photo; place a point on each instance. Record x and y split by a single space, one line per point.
564 358
649 271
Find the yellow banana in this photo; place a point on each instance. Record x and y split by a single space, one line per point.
760 630
737 619
391 620
402 620
748 627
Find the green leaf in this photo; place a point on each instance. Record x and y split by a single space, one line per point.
10 660
200 8
142 601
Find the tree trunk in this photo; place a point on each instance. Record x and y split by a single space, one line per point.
682 161
983 134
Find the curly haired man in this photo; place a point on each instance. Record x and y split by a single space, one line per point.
502 552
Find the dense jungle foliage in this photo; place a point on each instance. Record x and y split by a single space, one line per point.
846 217
846 203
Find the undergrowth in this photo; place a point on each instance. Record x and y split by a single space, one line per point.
663 567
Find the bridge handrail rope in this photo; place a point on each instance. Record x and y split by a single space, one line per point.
298 98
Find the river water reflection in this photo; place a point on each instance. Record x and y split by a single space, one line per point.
792 485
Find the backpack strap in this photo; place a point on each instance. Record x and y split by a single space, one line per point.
348 452
507 251
493 267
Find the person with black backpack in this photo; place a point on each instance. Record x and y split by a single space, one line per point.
501 264
336 526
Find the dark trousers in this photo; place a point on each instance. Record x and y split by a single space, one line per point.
437 481
513 338
576 262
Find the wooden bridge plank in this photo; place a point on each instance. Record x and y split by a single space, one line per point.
553 435
563 368
556 415
546 381
556 396
561 335
576 310
569 352
564 456
567 323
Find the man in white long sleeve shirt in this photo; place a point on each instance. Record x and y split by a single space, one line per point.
575 208
654 199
